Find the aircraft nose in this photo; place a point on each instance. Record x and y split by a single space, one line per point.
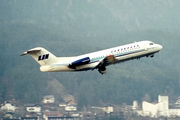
159 47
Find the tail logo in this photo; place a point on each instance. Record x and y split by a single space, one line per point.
43 57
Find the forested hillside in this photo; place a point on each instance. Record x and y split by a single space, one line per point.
69 28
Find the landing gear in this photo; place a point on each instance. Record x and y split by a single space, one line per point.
138 58
152 56
102 69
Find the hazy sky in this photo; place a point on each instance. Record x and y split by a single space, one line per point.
89 25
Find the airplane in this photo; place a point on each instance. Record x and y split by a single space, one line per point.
95 60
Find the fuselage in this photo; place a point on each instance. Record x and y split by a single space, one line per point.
90 61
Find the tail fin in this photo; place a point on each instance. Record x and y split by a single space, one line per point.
41 55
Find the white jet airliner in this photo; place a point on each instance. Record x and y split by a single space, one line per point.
96 60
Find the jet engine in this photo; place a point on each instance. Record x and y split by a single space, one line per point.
79 62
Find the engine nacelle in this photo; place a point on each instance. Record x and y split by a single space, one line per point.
79 62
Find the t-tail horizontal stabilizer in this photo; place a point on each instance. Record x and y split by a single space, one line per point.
42 56
31 51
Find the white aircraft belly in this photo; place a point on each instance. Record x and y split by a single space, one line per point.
87 66
55 68
132 56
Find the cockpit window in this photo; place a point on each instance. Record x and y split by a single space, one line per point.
151 43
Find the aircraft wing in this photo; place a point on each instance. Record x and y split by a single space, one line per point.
107 61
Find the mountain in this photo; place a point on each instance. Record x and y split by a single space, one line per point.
68 28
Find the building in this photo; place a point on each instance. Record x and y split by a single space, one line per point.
178 102
71 108
158 109
29 118
135 105
33 108
51 114
63 118
63 104
49 99
8 107
11 119
108 108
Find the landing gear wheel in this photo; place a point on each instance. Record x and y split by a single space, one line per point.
102 69
152 56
